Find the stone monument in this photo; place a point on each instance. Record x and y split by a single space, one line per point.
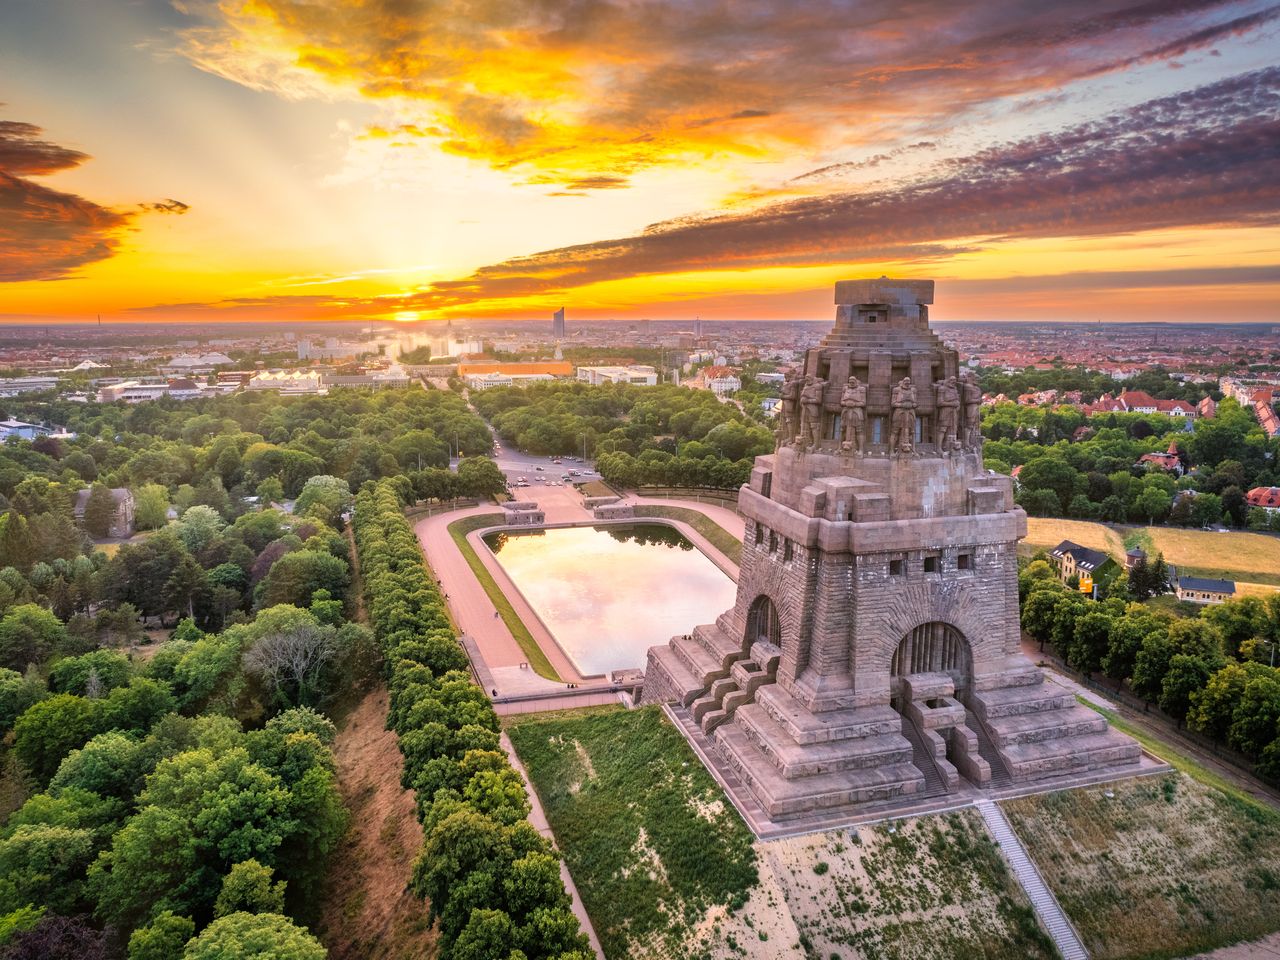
872 654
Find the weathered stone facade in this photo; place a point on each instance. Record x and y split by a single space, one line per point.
873 650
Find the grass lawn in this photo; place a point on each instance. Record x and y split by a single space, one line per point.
1254 557
1044 533
716 535
458 530
1164 867
647 834
595 488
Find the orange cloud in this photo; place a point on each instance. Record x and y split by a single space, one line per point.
46 234
607 87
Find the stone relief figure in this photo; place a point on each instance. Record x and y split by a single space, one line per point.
971 398
902 437
853 414
811 411
789 409
947 400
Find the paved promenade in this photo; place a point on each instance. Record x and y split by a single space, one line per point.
474 613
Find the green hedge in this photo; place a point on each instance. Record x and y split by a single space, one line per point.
492 881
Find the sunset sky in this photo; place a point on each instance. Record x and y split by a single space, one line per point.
211 160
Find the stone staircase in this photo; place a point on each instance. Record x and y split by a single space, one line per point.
727 694
925 760
1043 902
1039 730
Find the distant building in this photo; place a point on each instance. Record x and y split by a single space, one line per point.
721 380
550 368
188 364
1133 557
121 520
1170 460
639 375
486 381
1207 408
16 385
289 382
332 349
20 430
1204 590
392 376
1265 498
557 324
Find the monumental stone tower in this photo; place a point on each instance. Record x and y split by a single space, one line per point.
872 653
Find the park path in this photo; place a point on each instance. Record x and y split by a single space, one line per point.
1043 902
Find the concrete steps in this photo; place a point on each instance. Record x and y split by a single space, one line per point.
699 662
783 799
804 727
1025 698
1075 721
718 644
1047 909
793 760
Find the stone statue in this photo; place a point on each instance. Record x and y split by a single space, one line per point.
971 400
902 438
811 411
947 402
853 414
789 409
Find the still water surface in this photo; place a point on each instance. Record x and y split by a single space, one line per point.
608 594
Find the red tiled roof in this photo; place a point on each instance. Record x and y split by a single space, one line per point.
1264 497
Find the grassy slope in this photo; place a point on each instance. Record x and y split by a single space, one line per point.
1165 867
716 535
458 530
645 831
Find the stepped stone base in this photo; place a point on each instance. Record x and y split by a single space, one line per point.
796 762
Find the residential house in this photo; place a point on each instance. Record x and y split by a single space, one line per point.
1204 590
1267 498
1170 460
1073 560
122 519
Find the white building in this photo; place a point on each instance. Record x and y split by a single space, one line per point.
132 391
288 382
642 376
20 430
16 385
189 364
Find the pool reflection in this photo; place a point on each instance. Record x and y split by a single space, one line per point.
609 593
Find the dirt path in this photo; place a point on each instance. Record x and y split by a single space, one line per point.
368 911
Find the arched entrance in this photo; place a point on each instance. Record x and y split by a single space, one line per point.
762 622
934 647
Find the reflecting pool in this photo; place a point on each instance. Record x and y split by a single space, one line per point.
609 593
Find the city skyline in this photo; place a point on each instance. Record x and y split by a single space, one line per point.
209 162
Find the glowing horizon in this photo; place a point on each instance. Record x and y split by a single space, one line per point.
204 161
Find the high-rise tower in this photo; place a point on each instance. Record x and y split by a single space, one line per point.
557 324
872 654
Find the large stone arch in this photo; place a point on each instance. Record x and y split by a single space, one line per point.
764 621
934 646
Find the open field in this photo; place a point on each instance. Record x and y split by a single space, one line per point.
1164 867
458 530
667 869
1044 533
716 535
1251 558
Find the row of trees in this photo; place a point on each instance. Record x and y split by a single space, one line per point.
492 881
1212 671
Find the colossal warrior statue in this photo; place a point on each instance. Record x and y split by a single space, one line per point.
947 402
853 415
811 407
971 396
789 413
904 418
872 659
